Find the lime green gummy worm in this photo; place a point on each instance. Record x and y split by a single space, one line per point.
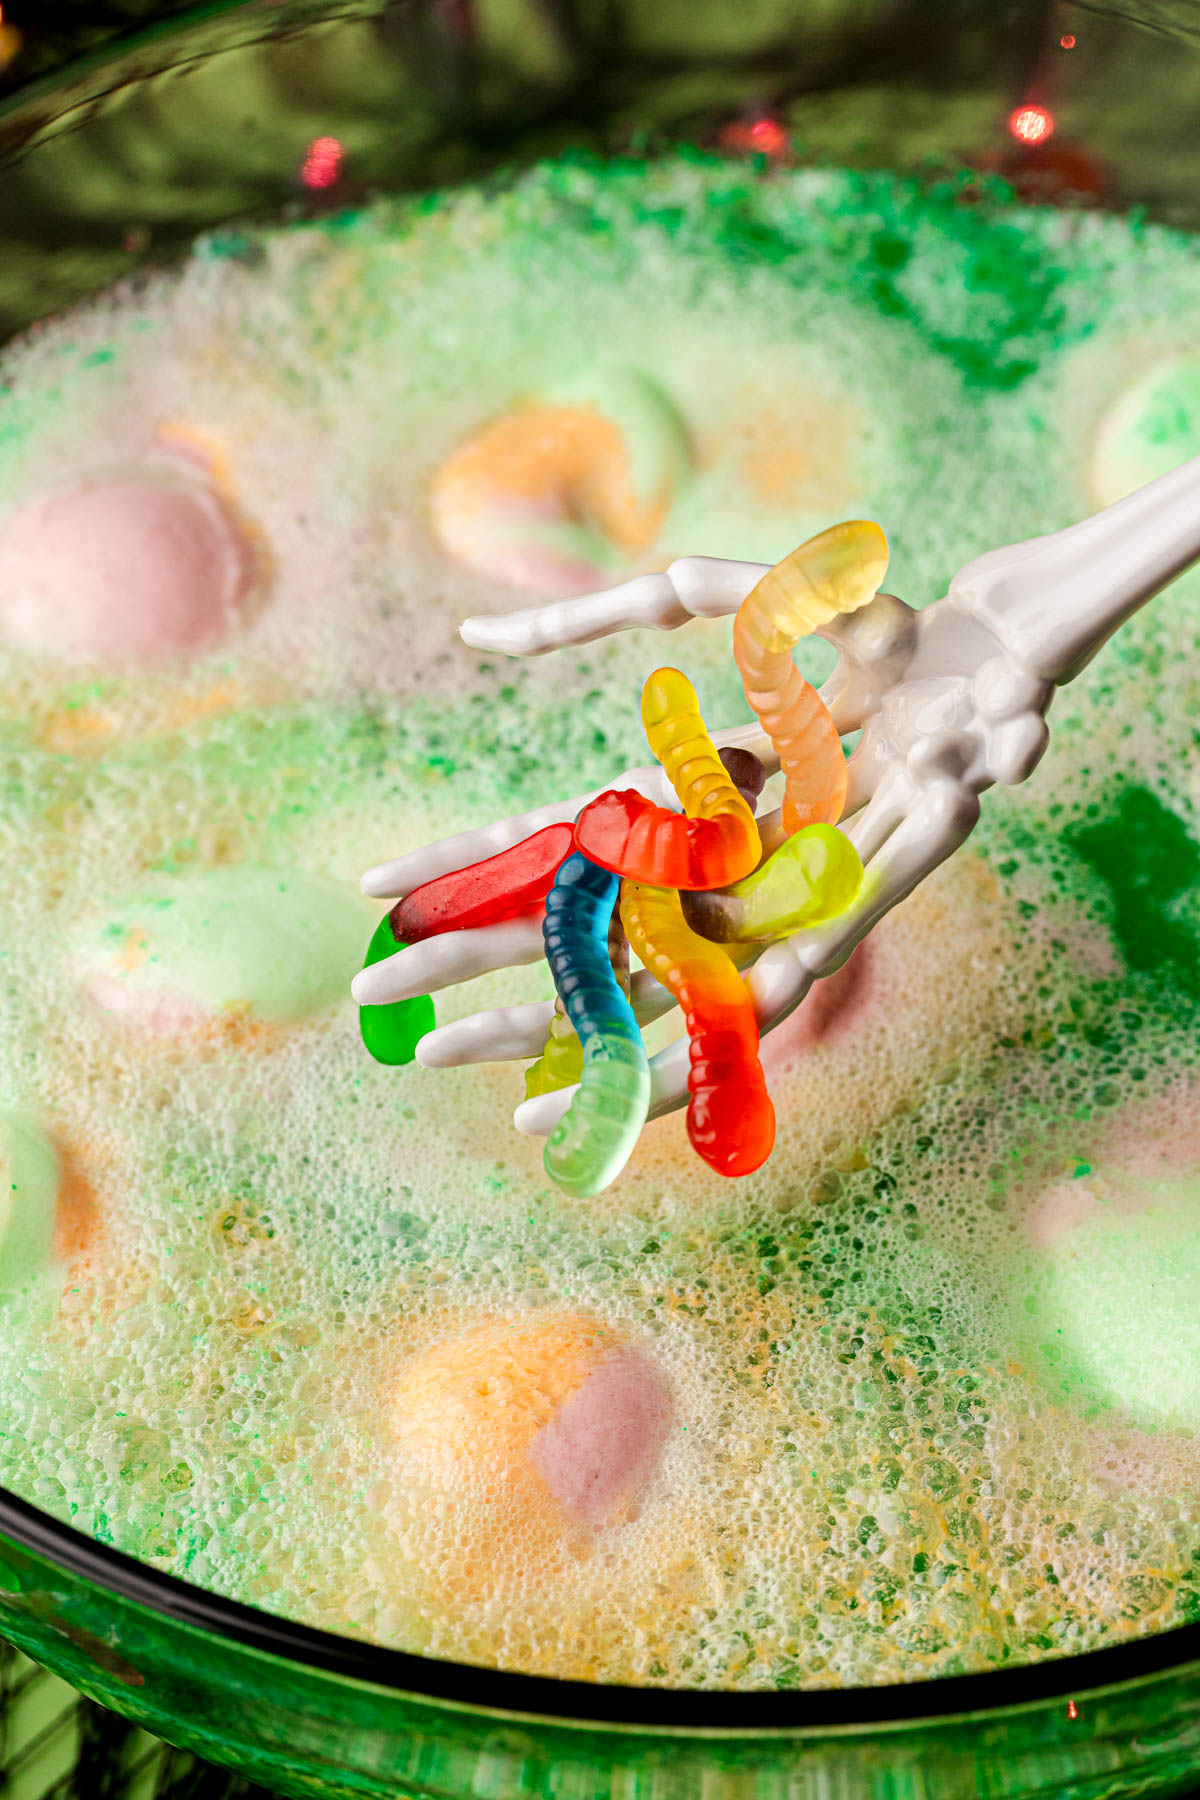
392 1032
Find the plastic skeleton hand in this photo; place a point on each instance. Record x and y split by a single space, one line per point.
949 700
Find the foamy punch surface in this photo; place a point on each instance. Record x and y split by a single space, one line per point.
917 1397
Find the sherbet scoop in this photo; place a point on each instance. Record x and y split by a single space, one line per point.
124 572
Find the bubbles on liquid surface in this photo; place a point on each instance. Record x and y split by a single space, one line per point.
315 1326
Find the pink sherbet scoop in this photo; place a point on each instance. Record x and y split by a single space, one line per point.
606 1440
123 572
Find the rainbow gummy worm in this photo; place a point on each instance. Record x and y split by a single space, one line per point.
715 843
833 573
730 1119
812 877
591 1145
561 1063
514 881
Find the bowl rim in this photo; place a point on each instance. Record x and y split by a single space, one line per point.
552 1701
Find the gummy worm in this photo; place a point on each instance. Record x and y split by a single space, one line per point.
715 843
555 494
561 1063
625 832
834 573
812 877
514 881
730 1119
392 1031
591 1145
675 733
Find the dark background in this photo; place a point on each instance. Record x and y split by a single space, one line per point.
53 31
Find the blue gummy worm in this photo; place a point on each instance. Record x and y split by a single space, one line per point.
592 1144
579 908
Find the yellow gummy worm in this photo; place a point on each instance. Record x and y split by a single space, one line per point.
677 736
833 573
561 1063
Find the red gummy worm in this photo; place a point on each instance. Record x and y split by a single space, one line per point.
625 832
731 1121
514 881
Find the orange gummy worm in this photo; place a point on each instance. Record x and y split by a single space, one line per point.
730 1119
833 573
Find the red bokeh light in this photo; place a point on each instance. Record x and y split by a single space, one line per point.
1068 41
1072 1710
763 136
322 163
1031 124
